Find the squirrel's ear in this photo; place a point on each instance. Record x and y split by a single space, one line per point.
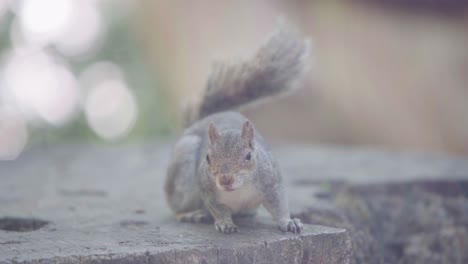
213 133
248 132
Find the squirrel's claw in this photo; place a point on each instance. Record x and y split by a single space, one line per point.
293 225
226 228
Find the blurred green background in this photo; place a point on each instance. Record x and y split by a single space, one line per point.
387 74
29 30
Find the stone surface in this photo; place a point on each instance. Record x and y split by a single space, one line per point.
103 204
83 204
410 209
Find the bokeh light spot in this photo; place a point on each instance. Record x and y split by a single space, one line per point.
84 32
111 109
44 20
40 87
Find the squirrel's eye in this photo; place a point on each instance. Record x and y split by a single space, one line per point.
249 156
208 158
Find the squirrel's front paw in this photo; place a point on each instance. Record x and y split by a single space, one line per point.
226 228
293 225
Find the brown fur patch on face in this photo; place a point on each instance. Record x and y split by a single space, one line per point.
228 156
213 134
248 133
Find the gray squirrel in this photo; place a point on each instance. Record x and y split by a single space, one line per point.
221 166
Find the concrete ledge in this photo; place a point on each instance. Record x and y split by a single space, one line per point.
93 204
175 243
76 204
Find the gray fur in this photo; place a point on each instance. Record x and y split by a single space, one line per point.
221 166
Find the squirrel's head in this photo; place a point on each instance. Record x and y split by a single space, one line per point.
231 156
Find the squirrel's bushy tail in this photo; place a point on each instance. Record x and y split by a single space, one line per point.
274 69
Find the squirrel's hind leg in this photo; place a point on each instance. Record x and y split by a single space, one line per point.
181 187
197 216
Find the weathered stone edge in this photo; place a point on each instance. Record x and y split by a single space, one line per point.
312 248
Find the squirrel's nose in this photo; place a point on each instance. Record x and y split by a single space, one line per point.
226 180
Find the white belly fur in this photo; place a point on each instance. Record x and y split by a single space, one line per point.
246 197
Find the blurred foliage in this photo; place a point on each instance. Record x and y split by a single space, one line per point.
120 46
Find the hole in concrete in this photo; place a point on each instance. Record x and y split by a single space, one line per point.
140 211
12 242
133 223
21 224
83 192
323 194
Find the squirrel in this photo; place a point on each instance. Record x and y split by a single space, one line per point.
221 166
